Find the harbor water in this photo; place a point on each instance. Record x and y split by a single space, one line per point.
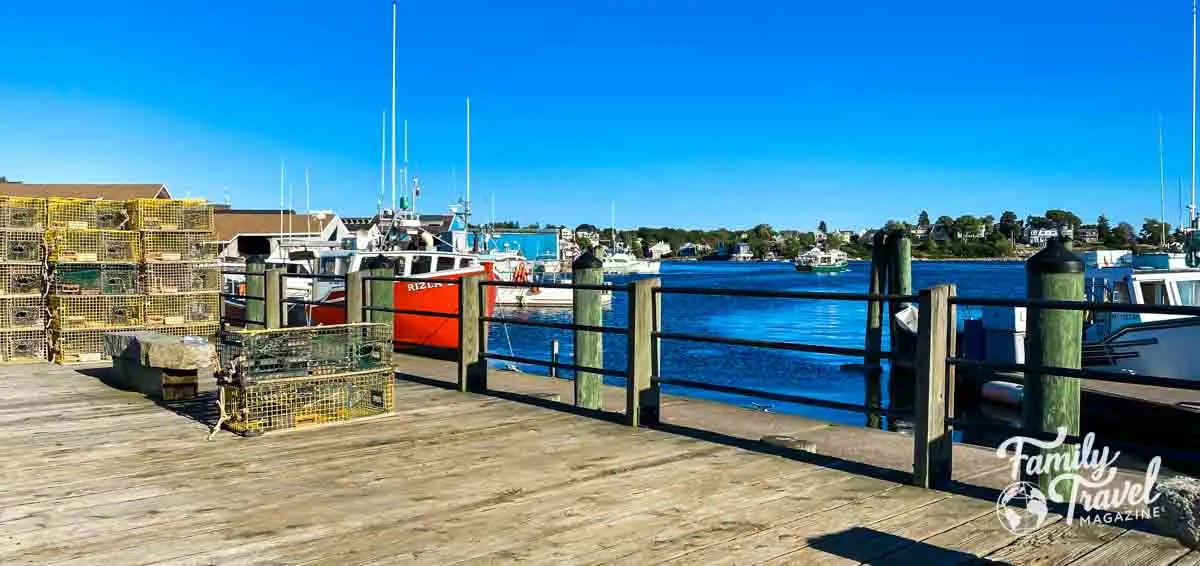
825 322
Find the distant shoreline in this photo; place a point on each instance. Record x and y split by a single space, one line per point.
973 259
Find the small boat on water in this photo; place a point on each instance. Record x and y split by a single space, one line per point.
540 296
818 260
624 263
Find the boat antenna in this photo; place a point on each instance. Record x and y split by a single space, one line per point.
1162 185
282 182
291 206
382 164
393 109
467 207
1192 206
307 204
404 188
1179 194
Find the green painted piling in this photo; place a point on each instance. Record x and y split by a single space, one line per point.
589 345
354 296
256 287
381 293
274 308
876 285
1054 339
899 277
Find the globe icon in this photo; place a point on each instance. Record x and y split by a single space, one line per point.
1021 508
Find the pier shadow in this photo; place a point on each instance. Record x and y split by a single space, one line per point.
864 545
202 408
535 399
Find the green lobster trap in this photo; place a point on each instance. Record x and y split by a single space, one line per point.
247 356
95 279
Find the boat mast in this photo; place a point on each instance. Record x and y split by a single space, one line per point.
404 189
1162 185
393 109
382 164
1192 206
282 183
467 204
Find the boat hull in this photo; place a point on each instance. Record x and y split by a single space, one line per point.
544 297
821 268
413 331
1163 348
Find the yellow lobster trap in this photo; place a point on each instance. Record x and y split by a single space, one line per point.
93 246
70 346
178 246
22 313
97 311
207 331
23 346
22 279
168 278
191 215
22 213
93 214
299 402
183 308
22 247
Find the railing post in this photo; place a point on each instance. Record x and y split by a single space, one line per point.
554 357
1055 339
472 340
641 395
876 285
589 346
255 287
354 297
273 287
932 444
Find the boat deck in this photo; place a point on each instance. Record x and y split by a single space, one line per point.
94 475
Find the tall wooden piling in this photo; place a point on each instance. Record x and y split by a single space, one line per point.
354 296
381 290
876 285
256 287
641 394
472 335
1054 339
932 443
589 345
273 308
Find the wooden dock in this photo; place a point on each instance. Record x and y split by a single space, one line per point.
93 475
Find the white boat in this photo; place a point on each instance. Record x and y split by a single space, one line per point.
624 263
519 270
817 260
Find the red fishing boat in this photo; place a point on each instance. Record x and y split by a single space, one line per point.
436 292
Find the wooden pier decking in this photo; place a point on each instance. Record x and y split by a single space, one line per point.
93 475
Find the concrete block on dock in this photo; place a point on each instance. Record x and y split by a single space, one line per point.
155 349
1179 500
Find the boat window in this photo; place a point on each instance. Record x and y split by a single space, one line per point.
1154 292
1189 293
1120 293
445 263
328 265
421 264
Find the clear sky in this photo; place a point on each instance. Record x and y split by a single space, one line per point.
685 113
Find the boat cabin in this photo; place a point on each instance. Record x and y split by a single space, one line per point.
1131 285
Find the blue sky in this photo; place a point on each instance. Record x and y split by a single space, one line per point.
687 113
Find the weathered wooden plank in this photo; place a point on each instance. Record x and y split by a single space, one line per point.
959 545
1135 548
790 536
865 543
1059 543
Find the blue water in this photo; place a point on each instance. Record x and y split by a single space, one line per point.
836 323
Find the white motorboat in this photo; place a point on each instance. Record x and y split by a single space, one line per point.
624 263
538 296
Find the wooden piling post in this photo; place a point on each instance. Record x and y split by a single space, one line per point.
587 269
255 287
641 395
1055 339
932 444
381 291
554 357
876 285
354 296
472 337
273 310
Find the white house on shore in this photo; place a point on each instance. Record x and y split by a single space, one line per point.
660 249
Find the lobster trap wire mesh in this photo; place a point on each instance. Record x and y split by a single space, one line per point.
305 401
206 331
22 247
165 278
95 279
171 215
23 346
183 308
19 279
22 213
22 312
247 356
78 346
95 214
93 246
178 246
97 311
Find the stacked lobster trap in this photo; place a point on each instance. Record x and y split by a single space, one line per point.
179 271
94 283
289 378
23 314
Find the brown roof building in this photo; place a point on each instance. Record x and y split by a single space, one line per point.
122 191
228 223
